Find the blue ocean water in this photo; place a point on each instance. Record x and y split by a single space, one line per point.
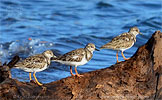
29 27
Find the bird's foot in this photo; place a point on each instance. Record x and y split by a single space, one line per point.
73 75
126 58
78 75
32 81
118 61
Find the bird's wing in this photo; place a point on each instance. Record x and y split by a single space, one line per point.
32 62
123 40
125 37
74 56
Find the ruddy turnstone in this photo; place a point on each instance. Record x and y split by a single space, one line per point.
35 63
123 42
76 57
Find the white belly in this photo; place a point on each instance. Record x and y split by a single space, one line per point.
83 61
123 49
33 69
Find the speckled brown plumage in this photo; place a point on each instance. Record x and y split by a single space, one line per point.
123 41
36 63
76 57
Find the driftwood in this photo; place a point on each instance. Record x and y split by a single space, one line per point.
139 78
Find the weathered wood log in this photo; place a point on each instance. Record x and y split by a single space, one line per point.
5 68
139 78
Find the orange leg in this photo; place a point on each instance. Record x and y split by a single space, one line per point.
124 56
37 80
30 76
71 72
117 57
77 72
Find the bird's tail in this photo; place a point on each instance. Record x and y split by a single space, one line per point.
54 57
104 47
107 46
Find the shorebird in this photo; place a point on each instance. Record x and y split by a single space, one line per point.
35 63
76 57
123 42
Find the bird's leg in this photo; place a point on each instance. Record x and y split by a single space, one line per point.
37 80
77 72
124 56
30 76
32 81
71 72
117 57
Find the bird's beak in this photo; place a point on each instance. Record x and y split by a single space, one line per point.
51 58
97 49
140 33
